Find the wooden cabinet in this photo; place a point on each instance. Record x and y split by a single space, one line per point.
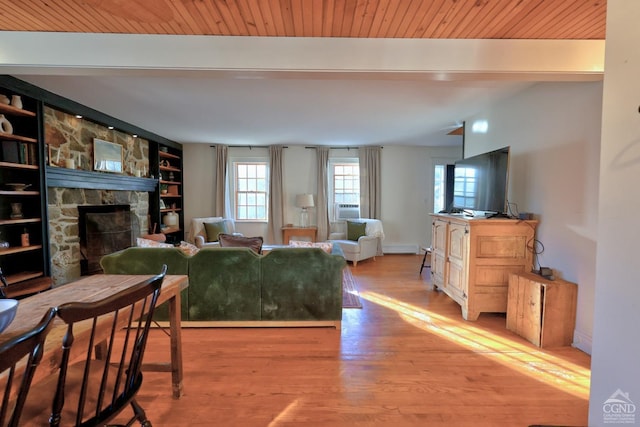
473 258
23 237
169 198
542 311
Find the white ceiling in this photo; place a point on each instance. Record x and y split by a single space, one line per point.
251 109
309 91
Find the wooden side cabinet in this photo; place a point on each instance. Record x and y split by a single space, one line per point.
473 258
542 311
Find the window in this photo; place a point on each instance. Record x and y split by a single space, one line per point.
344 186
464 189
250 191
346 182
439 187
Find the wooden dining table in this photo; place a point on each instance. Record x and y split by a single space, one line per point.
91 289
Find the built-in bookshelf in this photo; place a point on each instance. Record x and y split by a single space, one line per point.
23 236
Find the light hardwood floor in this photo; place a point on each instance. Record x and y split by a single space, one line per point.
406 359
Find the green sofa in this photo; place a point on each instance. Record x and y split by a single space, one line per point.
237 287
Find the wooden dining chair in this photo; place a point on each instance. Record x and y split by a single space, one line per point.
19 359
99 376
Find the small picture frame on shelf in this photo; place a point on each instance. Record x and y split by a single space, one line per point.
107 156
162 205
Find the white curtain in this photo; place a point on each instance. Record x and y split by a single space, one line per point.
322 209
220 184
276 199
370 205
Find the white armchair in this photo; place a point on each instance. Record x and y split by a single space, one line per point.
367 246
198 234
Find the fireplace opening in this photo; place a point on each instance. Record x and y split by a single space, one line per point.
103 229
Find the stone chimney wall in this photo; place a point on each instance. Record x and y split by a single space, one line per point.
68 137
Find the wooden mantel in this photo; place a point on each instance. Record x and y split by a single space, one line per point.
73 178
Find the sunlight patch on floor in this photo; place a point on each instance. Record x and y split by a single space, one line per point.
535 363
284 413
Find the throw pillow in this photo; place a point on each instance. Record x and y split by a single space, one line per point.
213 229
325 246
355 230
231 241
188 248
146 243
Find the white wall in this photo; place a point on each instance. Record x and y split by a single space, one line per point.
616 341
554 133
407 187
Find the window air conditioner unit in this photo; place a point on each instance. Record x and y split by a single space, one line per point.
347 211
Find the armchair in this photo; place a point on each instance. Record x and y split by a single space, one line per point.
367 246
198 234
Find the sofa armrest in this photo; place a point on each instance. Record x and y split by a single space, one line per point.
367 239
200 243
337 236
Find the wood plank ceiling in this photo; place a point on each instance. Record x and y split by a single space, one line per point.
466 19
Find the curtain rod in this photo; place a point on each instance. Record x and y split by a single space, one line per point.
250 147
337 148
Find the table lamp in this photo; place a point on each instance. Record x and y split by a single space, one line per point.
304 201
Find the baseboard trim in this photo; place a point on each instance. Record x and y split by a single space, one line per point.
582 341
400 249
256 324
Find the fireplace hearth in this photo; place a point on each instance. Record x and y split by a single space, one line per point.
102 229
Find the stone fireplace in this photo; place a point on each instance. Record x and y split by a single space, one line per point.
64 205
102 229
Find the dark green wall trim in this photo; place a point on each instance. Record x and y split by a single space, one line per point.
71 178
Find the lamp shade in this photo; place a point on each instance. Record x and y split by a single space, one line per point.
304 200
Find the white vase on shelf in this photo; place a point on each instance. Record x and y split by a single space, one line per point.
5 125
16 101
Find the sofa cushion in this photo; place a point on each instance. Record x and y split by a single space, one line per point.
188 249
325 246
224 284
355 230
301 284
231 241
213 230
148 243
149 261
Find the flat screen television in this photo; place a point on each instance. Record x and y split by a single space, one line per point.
480 182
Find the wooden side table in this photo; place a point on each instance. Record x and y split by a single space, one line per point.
289 232
542 311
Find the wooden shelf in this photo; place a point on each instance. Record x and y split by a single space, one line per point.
11 137
28 287
169 195
18 166
22 276
169 230
170 209
18 249
10 109
170 168
19 193
166 155
19 221
170 182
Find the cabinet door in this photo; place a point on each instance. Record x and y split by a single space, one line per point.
524 314
457 257
438 252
